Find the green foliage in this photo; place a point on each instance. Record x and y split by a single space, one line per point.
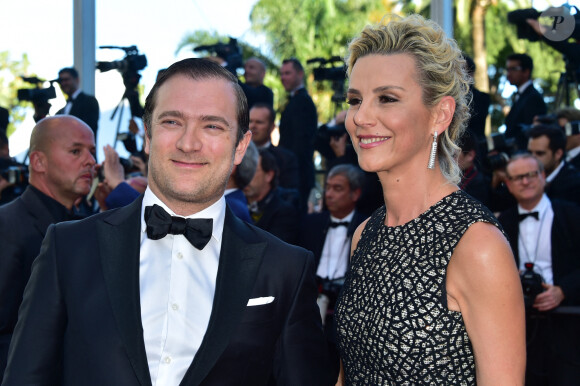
10 82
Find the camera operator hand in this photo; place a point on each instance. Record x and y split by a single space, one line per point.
550 298
535 24
41 110
113 174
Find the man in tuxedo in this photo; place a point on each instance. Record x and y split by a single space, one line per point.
527 101
569 119
61 171
262 123
173 288
548 144
328 235
298 124
545 232
81 105
269 209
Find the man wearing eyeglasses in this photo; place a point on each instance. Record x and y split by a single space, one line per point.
527 101
546 233
548 144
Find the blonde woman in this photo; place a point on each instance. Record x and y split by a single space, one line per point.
433 294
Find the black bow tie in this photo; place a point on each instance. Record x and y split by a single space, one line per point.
335 224
159 223
522 216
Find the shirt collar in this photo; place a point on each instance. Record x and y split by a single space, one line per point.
572 153
524 86
553 175
74 95
540 206
293 92
216 211
347 218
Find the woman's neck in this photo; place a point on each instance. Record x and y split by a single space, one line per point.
409 195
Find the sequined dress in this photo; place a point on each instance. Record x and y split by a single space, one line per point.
393 324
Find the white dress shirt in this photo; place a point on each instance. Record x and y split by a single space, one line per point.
535 239
555 172
70 101
177 286
335 253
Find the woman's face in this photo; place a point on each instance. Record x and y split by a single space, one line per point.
388 123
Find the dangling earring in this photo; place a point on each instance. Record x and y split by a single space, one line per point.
431 164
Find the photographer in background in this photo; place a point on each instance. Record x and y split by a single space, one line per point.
545 233
61 172
81 105
569 119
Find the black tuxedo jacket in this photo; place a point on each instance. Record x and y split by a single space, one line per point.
528 105
86 108
80 320
314 227
575 162
565 246
566 185
23 225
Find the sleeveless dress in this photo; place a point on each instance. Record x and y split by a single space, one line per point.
393 324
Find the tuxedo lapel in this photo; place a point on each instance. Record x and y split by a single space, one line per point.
119 240
240 258
37 210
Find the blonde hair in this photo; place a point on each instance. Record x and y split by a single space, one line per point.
440 67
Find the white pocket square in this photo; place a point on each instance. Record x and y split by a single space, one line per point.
260 301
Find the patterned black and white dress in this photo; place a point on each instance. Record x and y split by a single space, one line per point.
394 327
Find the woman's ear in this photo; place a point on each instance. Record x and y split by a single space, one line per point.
443 114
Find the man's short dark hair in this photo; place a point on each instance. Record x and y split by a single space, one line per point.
556 136
295 63
268 163
69 70
199 69
353 174
267 106
571 114
525 61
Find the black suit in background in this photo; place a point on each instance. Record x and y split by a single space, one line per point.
86 108
277 216
260 94
298 125
554 339
575 162
566 185
529 104
85 286
287 162
23 224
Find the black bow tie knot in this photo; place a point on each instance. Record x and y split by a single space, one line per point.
336 224
535 215
160 223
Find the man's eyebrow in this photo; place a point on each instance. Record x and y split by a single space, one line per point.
215 118
170 113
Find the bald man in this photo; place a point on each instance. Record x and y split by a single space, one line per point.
254 88
61 171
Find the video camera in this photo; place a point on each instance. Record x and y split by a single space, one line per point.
37 95
129 66
230 52
336 74
531 284
525 31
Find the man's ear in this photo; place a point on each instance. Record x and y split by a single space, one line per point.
443 114
355 194
242 146
147 145
38 162
559 154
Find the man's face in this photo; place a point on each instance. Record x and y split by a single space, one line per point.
540 148
516 75
260 125
192 148
525 182
339 198
69 161
254 72
289 77
68 84
259 187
